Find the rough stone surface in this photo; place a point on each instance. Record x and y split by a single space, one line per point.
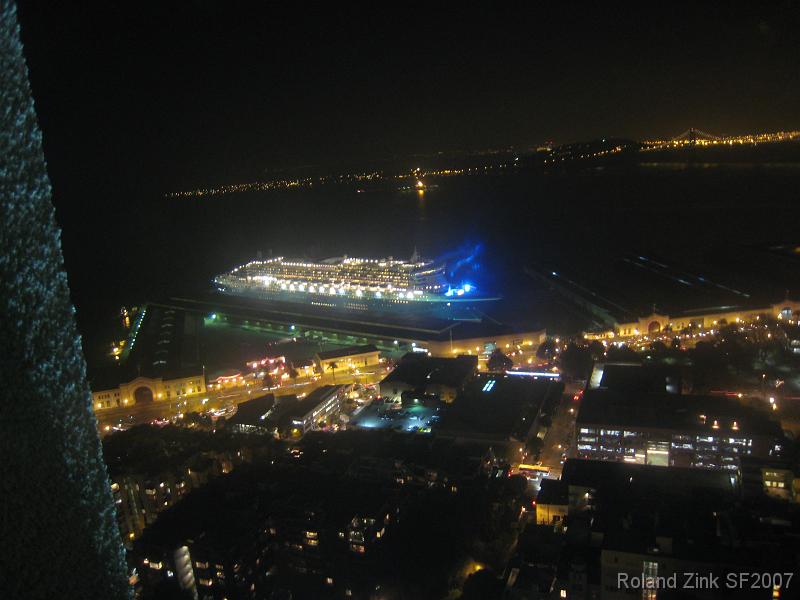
58 532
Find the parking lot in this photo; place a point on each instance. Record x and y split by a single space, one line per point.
377 415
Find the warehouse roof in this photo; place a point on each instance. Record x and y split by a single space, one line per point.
348 351
714 415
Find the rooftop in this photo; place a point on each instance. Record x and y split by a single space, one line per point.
227 511
299 408
630 286
165 345
665 411
420 370
454 458
148 450
376 325
610 475
348 351
252 412
496 406
553 491
650 509
636 378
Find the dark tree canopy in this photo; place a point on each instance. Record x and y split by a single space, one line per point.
597 350
482 585
499 361
292 371
622 354
546 349
575 361
57 524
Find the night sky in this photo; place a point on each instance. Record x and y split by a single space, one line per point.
139 99
169 95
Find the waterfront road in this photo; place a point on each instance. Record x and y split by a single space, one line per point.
226 399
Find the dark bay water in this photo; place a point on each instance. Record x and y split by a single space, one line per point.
159 245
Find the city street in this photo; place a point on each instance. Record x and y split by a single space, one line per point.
107 419
558 442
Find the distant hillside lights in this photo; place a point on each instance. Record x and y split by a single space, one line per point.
750 138
418 175
343 178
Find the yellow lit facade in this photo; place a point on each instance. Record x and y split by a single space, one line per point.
351 361
143 390
526 342
551 513
656 323
781 483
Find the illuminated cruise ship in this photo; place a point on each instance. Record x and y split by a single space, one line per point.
361 284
